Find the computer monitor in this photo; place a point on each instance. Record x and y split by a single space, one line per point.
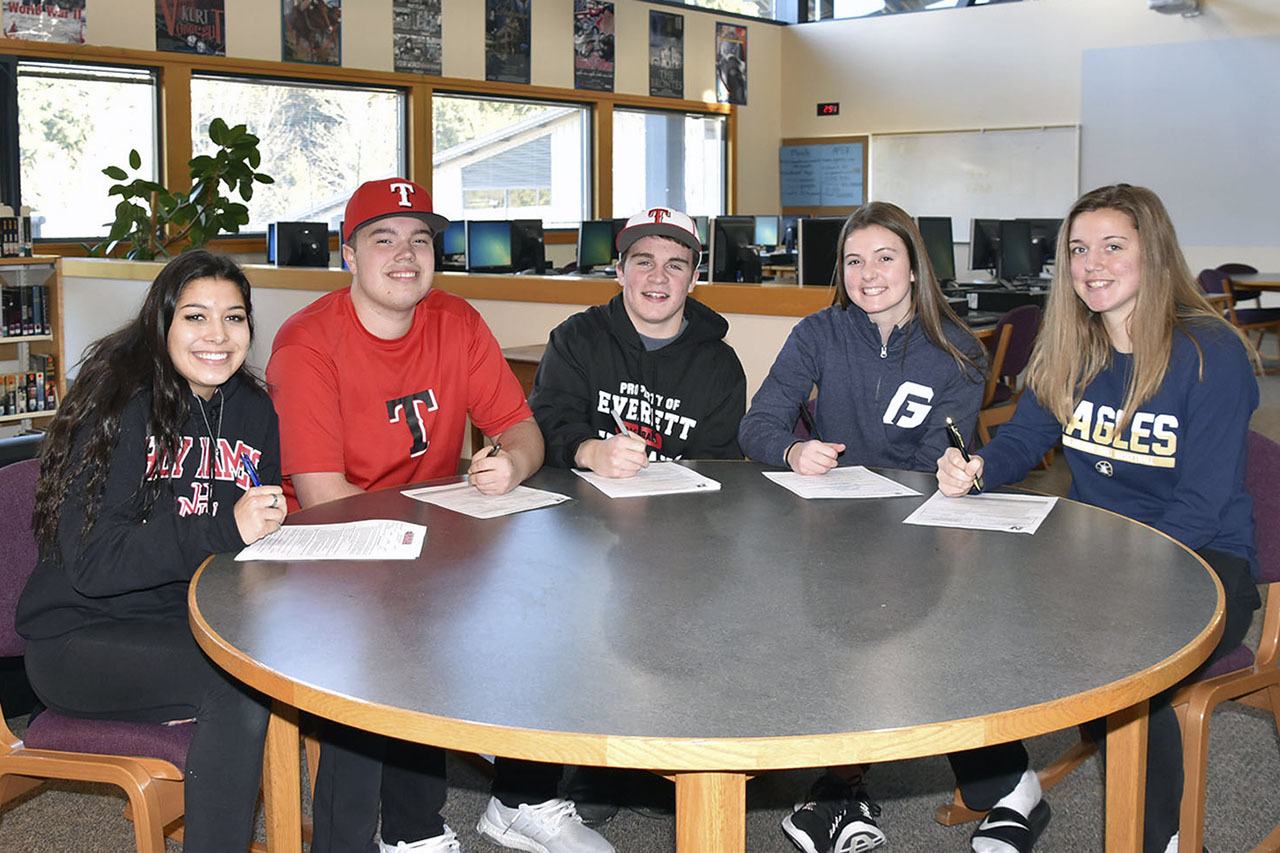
740 228
768 232
787 230
528 247
984 243
731 258
489 246
1017 258
700 224
936 231
451 247
1044 237
818 250
595 244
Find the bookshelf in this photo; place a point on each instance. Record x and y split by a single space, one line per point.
24 353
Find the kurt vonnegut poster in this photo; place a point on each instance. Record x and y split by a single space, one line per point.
191 26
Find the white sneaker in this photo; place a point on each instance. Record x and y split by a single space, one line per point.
550 827
445 842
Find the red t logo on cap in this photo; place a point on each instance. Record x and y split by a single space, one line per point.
659 214
405 191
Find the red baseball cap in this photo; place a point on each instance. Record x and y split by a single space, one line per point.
663 222
389 197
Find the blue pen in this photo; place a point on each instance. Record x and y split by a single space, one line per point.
249 469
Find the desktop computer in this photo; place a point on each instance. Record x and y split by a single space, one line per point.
298 244
818 250
1016 258
936 231
451 247
595 245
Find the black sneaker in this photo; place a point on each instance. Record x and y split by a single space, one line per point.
836 819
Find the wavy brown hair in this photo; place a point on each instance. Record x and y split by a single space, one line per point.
927 301
1073 346
134 359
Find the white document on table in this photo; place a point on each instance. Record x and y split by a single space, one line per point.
467 499
1001 512
375 539
855 481
660 478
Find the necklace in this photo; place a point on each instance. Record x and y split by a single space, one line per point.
213 439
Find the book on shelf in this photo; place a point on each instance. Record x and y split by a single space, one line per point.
28 392
24 310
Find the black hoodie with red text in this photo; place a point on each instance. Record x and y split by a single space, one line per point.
132 567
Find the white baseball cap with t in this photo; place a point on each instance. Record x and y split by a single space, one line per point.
661 222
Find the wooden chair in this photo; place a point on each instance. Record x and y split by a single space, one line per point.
145 760
1009 351
1251 677
1217 285
1245 675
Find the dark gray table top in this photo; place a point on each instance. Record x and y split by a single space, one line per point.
744 613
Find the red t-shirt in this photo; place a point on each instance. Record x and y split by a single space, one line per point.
386 413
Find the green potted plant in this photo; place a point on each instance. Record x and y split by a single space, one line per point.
150 218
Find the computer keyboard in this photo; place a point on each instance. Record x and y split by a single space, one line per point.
982 318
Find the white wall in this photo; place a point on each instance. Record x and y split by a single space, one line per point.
1005 65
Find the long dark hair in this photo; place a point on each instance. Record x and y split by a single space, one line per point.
927 301
131 360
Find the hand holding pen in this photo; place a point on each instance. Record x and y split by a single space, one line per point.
619 456
814 456
958 472
491 473
261 510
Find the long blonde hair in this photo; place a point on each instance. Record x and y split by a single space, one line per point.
927 301
1073 346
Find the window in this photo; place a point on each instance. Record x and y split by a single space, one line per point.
74 121
751 8
669 159
823 9
318 142
508 159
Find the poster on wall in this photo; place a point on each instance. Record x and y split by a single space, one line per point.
666 55
593 45
416 36
311 31
191 26
506 40
50 20
731 64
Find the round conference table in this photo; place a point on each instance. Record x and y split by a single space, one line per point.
711 636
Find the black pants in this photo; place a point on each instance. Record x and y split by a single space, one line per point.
358 770
152 671
986 775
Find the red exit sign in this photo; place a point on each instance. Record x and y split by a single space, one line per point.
831 108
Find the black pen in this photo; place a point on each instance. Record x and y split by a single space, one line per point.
497 445
250 470
807 420
957 441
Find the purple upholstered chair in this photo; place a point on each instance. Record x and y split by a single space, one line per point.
1009 351
145 760
1241 294
1217 284
1243 674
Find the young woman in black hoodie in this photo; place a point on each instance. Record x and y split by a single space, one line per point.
141 480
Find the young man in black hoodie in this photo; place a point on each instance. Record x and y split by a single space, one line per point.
651 356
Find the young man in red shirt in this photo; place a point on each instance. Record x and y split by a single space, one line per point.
373 385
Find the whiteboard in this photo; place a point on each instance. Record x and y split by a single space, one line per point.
978 174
